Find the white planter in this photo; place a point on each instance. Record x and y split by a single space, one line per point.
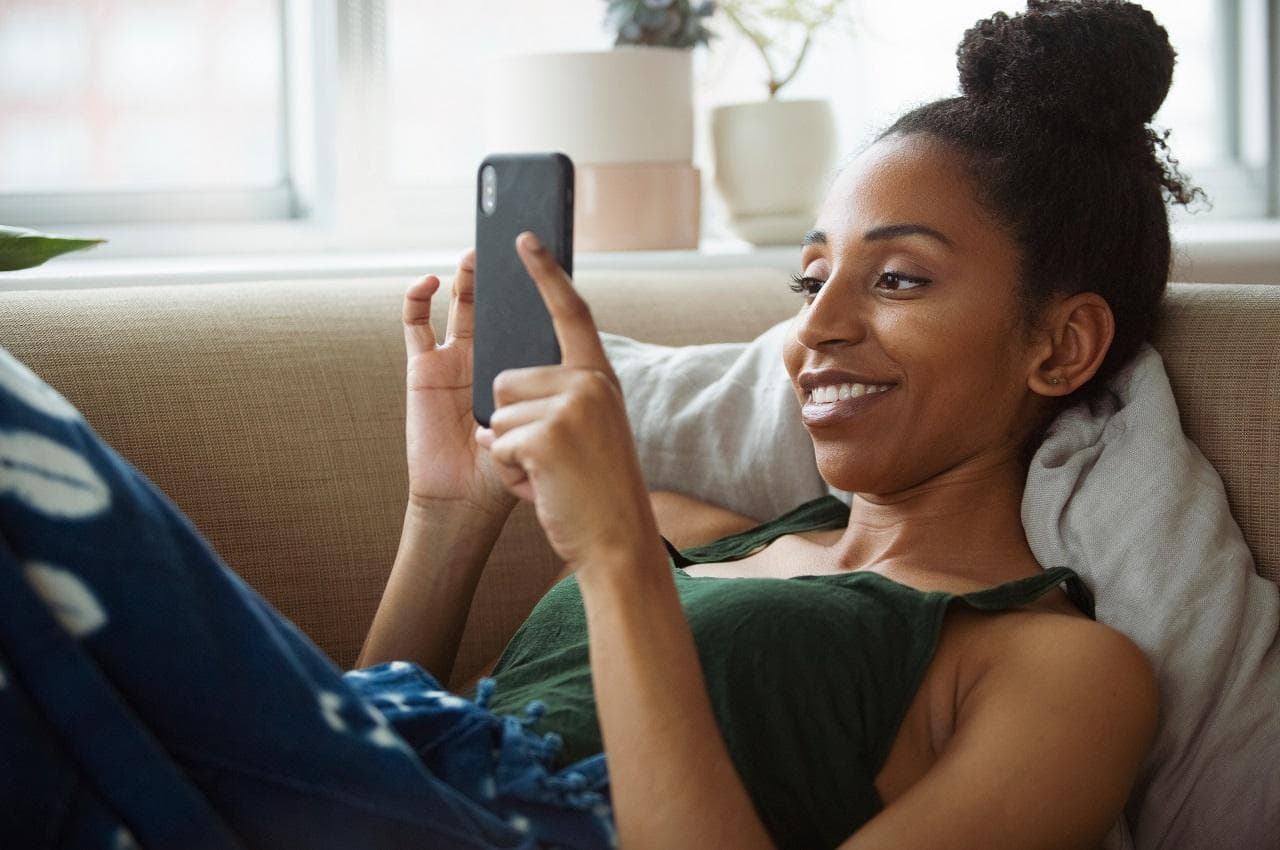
628 104
774 161
625 118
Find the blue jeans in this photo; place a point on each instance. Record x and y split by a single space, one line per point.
148 697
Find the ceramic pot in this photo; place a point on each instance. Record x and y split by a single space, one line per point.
774 161
625 118
637 206
628 104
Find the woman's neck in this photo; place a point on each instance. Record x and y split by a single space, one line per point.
966 521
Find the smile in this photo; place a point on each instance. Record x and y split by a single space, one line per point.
841 392
839 403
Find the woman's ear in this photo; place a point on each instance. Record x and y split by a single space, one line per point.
1075 335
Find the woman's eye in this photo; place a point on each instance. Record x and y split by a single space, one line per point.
807 285
899 282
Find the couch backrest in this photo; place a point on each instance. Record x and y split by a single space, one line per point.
272 414
1221 348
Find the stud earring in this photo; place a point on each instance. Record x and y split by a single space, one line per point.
1054 381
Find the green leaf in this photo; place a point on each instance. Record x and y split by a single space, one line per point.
22 249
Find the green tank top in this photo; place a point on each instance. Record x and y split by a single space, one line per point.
809 677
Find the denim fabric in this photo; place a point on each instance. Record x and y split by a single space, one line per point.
149 698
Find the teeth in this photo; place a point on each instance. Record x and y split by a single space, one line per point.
840 392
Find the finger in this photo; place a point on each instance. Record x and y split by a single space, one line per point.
418 335
575 329
510 472
510 452
512 416
462 304
532 382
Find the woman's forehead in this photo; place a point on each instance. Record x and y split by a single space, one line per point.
907 180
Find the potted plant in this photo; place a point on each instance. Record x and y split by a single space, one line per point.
624 116
773 158
658 23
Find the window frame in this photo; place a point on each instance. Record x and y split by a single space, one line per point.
1237 189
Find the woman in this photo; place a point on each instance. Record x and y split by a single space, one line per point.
917 679
989 259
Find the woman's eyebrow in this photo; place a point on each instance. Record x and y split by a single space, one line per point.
893 231
887 231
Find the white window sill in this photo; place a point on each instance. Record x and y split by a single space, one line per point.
1228 251
82 272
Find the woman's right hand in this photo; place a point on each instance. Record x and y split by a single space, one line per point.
446 466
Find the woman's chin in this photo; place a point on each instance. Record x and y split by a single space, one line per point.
842 475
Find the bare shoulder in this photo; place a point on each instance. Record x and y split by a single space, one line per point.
1072 647
1077 659
688 522
1087 682
1053 719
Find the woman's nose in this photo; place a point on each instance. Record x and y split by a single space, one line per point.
834 317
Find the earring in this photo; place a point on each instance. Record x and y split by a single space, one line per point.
1054 381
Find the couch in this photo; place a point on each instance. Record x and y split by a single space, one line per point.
272 414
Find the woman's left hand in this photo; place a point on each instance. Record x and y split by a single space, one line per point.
560 437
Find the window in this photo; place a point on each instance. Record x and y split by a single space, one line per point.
138 109
251 125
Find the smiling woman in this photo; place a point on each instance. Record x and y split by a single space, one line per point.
988 258
898 672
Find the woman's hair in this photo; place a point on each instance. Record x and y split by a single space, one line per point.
1052 123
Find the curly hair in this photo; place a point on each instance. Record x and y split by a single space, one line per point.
1053 124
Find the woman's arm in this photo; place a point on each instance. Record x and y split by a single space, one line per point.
443 550
560 438
457 504
1046 747
673 783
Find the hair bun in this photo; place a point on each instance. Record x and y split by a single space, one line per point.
1102 66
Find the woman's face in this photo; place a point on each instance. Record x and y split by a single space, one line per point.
909 356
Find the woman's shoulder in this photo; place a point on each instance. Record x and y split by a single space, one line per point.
1044 726
1083 662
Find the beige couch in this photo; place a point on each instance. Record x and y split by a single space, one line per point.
271 413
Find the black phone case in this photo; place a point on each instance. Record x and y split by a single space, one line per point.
513 327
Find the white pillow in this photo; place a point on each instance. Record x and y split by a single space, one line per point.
718 422
1117 493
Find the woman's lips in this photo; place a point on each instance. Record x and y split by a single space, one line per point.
817 414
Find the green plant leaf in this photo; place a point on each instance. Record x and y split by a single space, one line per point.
22 249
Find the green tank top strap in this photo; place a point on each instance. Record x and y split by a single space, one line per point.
829 512
1025 590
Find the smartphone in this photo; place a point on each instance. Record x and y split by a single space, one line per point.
515 193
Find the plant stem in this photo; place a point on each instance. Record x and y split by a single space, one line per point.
759 41
804 48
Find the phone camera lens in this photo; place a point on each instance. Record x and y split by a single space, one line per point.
488 189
